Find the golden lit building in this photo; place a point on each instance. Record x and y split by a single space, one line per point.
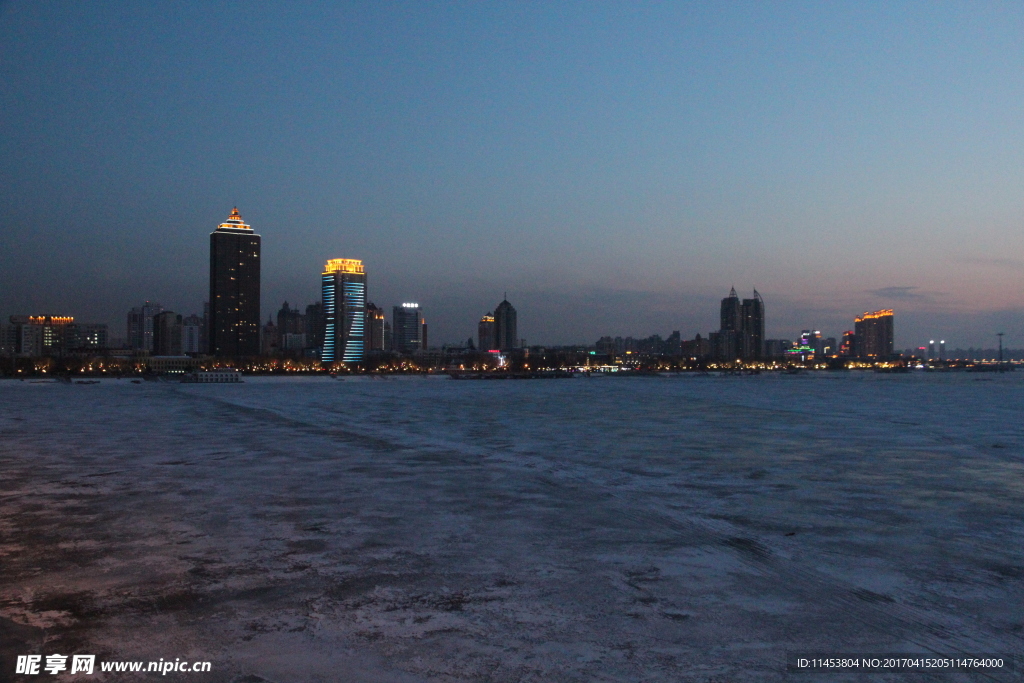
873 334
343 284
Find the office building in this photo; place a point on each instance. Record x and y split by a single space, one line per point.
752 328
873 334
374 328
731 313
485 333
8 340
192 335
775 349
234 289
42 335
290 320
407 327
849 345
505 327
315 327
344 308
270 340
140 326
167 334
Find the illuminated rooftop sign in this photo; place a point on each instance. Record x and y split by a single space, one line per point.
410 305
344 265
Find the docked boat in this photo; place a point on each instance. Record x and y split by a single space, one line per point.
218 376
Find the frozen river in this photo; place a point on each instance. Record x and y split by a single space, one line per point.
606 529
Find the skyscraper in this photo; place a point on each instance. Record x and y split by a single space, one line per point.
505 327
344 310
873 334
485 333
167 334
140 326
742 331
731 312
315 327
234 289
192 334
406 328
374 328
752 328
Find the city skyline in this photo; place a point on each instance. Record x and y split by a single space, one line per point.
624 165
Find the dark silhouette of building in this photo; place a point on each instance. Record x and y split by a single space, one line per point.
315 327
167 334
485 333
873 334
234 289
344 301
290 320
731 313
752 328
407 327
140 326
374 328
270 339
192 334
505 327
741 335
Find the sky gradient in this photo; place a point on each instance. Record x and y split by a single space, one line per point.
615 167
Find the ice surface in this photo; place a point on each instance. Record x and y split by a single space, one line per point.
604 529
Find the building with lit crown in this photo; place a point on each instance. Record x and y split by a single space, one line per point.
234 320
407 327
873 334
344 311
485 333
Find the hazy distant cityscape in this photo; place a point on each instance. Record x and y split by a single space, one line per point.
347 331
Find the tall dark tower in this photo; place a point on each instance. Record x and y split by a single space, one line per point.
234 289
753 328
732 313
505 327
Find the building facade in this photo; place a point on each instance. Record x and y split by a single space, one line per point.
506 327
140 326
42 335
343 285
873 334
234 318
167 334
192 335
374 328
741 336
485 333
406 327
315 327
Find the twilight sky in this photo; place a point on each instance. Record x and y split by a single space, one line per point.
615 167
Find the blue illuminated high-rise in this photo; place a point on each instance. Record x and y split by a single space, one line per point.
344 311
